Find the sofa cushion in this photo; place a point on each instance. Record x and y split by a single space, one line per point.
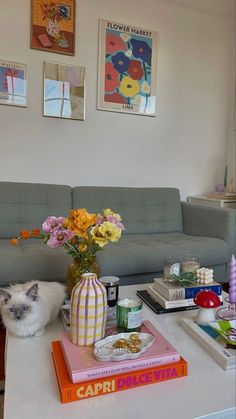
32 260
27 205
143 210
136 253
132 255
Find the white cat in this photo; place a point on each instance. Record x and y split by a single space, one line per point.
27 308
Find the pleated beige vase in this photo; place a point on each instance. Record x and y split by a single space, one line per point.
88 311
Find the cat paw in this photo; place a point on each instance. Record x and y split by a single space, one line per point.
40 332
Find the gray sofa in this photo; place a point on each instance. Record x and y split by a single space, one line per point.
157 225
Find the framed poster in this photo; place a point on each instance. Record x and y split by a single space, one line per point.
53 26
64 91
13 83
127 69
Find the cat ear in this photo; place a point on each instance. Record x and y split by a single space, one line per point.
33 292
6 295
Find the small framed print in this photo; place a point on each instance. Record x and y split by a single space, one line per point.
64 91
53 26
13 83
127 69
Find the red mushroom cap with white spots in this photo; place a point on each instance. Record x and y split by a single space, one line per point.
207 299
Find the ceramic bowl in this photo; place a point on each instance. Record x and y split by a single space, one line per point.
105 351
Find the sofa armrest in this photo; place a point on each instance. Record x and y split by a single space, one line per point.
199 220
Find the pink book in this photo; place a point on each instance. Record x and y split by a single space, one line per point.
83 366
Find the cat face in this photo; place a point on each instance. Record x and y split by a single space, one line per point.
18 312
18 307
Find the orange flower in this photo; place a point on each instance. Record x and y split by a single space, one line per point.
14 242
35 232
74 241
25 234
79 221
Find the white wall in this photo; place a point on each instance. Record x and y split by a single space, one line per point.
184 146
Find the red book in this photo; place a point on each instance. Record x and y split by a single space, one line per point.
82 365
70 392
44 40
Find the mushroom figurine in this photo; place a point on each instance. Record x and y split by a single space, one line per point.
207 301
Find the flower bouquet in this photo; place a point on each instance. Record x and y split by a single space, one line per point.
81 234
53 14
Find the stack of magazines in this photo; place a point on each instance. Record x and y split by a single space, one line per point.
80 375
172 296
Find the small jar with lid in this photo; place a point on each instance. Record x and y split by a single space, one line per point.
111 283
190 263
171 267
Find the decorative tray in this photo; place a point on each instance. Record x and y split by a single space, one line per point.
123 346
226 329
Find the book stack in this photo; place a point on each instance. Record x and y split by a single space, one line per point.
80 375
172 297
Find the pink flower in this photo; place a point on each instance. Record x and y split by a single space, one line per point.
113 219
59 237
52 223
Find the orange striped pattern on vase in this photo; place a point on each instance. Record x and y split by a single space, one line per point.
88 311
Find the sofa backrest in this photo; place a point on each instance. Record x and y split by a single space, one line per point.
143 210
27 205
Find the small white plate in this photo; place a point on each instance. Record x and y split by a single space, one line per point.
104 350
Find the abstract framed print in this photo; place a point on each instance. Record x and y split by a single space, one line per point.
127 68
53 26
64 91
13 83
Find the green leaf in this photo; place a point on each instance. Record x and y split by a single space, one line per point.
184 279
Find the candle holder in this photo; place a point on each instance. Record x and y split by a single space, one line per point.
227 313
190 263
171 266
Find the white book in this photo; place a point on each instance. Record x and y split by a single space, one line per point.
170 304
215 347
172 291
166 303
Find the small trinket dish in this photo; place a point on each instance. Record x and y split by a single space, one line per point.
123 346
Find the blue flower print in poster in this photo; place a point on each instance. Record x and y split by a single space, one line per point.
127 69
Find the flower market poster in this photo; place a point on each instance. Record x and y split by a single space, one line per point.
127 69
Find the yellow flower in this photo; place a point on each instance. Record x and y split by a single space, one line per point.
98 237
83 247
79 221
129 87
104 233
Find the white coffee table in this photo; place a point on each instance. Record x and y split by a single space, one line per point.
31 389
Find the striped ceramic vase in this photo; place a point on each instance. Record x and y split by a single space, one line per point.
88 310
